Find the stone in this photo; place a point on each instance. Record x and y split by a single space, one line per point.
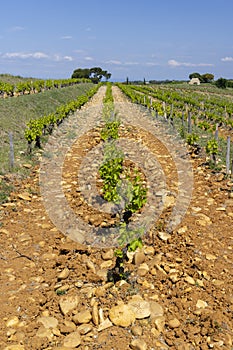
136 330
190 280
104 325
164 236
121 315
140 307
48 322
82 317
63 274
156 310
43 332
149 250
107 254
139 257
95 314
106 264
174 323
25 196
210 257
143 269
72 340
68 303
84 328
138 344
159 322
12 321
201 304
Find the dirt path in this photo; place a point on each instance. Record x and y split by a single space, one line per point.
54 292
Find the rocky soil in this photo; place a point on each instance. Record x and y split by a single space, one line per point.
55 293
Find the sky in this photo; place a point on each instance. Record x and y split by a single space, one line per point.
134 39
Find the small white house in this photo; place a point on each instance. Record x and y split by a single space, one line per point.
195 81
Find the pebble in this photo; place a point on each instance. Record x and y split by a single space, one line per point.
84 328
139 307
104 325
68 303
138 344
12 321
136 330
63 274
159 322
82 317
149 250
95 314
143 269
164 236
108 254
48 322
72 340
139 257
44 333
174 323
201 304
156 310
121 315
190 280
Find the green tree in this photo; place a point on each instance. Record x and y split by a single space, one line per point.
195 75
221 83
207 77
81 73
95 74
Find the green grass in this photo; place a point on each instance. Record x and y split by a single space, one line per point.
15 112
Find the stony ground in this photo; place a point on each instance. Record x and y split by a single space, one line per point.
55 293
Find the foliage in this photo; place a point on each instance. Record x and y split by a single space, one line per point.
44 125
191 139
35 85
204 78
221 83
95 74
212 147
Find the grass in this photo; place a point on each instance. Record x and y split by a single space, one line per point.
15 112
12 79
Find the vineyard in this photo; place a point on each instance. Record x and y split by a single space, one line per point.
120 237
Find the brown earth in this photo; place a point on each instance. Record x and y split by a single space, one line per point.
179 295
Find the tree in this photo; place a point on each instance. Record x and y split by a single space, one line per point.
221 83
207 77
95 74
81 73
195 75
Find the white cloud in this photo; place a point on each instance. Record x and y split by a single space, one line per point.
66 37
151 64
131 63
174 63
35 55
115 62
23 55
227 59
88 58
68 58
16 29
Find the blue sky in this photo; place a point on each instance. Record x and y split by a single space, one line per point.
151 39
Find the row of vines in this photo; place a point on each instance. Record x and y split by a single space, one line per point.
37 128
122 186
204 121
35 86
